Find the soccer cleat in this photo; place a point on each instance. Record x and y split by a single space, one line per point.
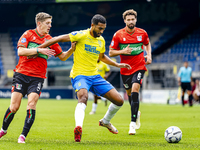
21 139
78 133
131 129
138 120
109 126
2 133
92 113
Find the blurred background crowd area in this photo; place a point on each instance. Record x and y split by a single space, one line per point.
172 25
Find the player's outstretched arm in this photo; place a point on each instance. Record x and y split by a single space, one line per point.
148 56
107 60
22 51
113 52
61 38
65 55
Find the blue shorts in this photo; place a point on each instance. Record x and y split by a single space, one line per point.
95 84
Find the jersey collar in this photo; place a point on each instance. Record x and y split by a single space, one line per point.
130 32
39 34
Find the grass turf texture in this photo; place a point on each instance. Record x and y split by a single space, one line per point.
54 125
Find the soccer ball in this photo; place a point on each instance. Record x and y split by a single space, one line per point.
173 134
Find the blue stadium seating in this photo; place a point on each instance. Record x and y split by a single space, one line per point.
188 49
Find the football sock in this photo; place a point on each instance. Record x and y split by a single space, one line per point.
129 99
112 110
134 106
80 114
30 117
94 107
7 119
182 98
190 100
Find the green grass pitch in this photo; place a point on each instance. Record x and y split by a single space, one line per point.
54 125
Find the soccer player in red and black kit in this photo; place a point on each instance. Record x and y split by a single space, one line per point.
130 43
30 71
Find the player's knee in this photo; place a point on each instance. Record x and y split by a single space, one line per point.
31 105
14 109
120 101
83 98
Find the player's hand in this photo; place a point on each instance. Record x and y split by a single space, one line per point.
73 46
148 59
127 50
124 65
46 51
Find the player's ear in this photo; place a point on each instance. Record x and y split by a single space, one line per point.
39 23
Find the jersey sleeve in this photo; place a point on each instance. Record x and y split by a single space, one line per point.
115 42
24 39
57 49
76 36
146 38
103 46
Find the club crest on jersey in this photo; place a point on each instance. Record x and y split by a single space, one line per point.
124 39
23 40
139 38
18 86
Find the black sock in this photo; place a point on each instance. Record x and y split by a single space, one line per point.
190 100
134 106
182 100
30 117
7 119
129 99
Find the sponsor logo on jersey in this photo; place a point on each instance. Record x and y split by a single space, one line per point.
91 49
139 38
136 48
23 40
74 33
79 84
18 86
139 76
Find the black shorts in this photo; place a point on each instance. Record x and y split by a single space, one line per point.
26 84
136 77
186 86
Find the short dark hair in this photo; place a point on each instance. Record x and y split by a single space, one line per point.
98 18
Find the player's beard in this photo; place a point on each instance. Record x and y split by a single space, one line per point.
131 26
95 34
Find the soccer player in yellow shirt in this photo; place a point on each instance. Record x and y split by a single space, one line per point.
90 47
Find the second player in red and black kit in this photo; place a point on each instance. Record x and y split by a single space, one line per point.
130 43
